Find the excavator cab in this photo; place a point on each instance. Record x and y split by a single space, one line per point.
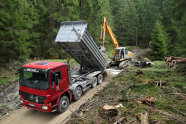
121 53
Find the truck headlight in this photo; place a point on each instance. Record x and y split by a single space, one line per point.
44 107
21 101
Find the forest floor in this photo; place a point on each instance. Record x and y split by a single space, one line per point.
131 90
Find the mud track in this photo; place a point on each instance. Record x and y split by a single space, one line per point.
28 116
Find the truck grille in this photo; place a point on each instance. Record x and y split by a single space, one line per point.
32 97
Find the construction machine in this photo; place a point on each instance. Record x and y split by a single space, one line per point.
121 55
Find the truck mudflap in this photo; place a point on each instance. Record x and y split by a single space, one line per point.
38 107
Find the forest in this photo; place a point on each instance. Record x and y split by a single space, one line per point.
28 27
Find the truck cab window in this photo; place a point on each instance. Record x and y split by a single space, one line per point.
37 79
126 51
58 74
27 75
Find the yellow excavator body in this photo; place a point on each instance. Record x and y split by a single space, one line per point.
119 53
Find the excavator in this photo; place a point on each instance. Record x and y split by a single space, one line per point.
121 55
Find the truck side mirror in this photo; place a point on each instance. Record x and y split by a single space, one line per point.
56 79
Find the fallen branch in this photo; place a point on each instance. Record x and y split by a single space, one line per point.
174 116
89 105
179 95
120 121
184 114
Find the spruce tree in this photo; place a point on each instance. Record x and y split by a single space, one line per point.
158 43
15 25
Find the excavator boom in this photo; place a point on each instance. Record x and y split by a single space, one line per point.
120 55
105 26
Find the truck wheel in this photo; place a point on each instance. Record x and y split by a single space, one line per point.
63 104
100 78
94 82
78 93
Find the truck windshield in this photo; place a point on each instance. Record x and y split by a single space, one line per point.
32 78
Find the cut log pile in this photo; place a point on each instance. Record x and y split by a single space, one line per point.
176 63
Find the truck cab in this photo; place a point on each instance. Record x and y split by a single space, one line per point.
43 85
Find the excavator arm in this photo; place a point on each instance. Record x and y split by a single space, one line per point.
105 26
120 54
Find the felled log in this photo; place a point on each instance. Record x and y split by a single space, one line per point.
177 63
108 111
177 58
167 61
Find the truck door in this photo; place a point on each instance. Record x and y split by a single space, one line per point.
59 82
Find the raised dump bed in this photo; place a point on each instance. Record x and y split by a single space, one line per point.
74 38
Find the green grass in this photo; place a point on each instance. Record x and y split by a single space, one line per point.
128 87
9 79
144 85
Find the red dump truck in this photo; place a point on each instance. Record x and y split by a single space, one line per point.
50 86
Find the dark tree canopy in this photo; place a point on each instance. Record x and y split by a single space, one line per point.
28 27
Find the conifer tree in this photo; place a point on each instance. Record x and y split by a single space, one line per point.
15 24
158 43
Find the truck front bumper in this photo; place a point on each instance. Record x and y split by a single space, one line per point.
36 106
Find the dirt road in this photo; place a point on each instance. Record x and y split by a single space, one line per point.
28 116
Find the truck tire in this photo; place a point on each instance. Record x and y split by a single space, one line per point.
77 93
94 82
100 78
63 104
